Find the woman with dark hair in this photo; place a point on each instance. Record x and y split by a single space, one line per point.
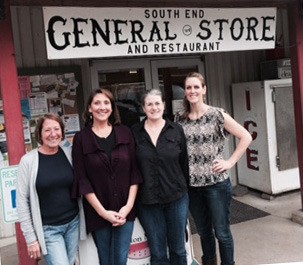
210 193
107 176
48 215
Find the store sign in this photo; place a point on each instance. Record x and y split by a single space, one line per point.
76 32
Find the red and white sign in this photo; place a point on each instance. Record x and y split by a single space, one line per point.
139 253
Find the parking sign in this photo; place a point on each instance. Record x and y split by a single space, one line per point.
8 176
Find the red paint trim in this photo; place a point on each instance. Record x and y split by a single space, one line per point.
10 93
12 111
296 49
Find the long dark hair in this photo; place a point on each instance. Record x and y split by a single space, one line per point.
186 104
115 115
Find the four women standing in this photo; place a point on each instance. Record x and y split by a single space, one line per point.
107 176
105 165
163 199
210 192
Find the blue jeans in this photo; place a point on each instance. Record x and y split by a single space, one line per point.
62 242
113 243
210 208
165 226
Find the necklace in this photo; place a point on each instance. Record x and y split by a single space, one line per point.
102 132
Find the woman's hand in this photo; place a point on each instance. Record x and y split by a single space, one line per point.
33 250
115 218
221 165
111 216
124 211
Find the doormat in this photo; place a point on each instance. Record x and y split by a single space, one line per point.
240 212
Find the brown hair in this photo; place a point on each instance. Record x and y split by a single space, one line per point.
186 104
115 115
50 116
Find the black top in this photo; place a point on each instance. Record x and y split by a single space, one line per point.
109 178
164 167
107 144
54 181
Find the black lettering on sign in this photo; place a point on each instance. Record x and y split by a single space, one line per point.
237 29
51 33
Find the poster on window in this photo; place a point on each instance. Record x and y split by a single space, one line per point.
55 106
48 93
72 124
38 104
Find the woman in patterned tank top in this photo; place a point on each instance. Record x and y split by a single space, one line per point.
206 129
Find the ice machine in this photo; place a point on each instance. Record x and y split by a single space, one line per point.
266 110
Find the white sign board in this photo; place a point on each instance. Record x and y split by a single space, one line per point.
8 177
80 32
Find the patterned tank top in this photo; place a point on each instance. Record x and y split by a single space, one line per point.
205 142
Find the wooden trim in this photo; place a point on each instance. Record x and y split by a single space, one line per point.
153 3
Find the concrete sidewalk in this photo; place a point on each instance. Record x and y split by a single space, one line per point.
273 239
268 240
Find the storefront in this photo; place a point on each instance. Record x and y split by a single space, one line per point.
147 61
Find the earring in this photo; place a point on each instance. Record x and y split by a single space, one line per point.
90 116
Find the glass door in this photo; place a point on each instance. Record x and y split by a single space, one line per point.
128 79
169 75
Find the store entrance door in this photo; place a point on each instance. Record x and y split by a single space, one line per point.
128 79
